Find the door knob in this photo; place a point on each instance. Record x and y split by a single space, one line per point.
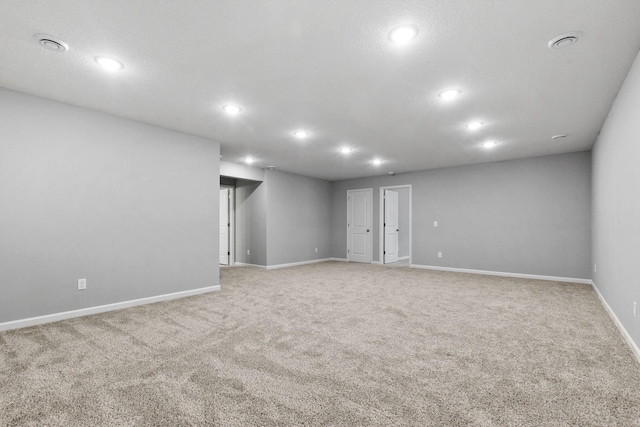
367 230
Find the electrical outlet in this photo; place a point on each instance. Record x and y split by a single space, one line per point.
316 249
248 252
635 312
435 223
82 284
439 254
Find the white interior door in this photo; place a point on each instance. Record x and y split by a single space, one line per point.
225 225
359 225
391 227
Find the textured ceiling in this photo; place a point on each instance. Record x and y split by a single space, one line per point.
328 67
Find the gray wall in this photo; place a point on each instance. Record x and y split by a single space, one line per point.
130 207
282 219
237 170
528 216
616 205
298 218
251 222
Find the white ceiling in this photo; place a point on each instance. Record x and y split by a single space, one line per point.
328 66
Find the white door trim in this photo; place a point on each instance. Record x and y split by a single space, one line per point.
232 221
391 226
370 220
381 218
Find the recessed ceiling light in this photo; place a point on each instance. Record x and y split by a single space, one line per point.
558 136
232 109
51 43
301 134
377 162
450 94
109 64
564 40
249 160
345 150
403 34
392 173
489 144
474 125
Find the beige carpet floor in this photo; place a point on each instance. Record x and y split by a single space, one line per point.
331 344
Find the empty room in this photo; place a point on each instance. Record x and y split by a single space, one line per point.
320 213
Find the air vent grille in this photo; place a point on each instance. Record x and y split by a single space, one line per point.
52 43
565 40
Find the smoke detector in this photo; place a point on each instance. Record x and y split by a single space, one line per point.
52 43
565 40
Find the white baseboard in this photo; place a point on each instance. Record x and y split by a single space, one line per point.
244 264
32 321
376 262
503 274
632 345
339 259
294 264
402 258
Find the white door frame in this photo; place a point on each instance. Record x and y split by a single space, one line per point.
391 226
381 217
369 237
232 222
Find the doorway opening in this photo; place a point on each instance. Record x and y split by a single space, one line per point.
395 225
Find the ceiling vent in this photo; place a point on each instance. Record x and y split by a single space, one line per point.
565 40
52 43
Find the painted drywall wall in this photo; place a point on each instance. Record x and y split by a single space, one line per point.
237 170
616 205
298 218
251 222
528 216
130 207
282 219
227 182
